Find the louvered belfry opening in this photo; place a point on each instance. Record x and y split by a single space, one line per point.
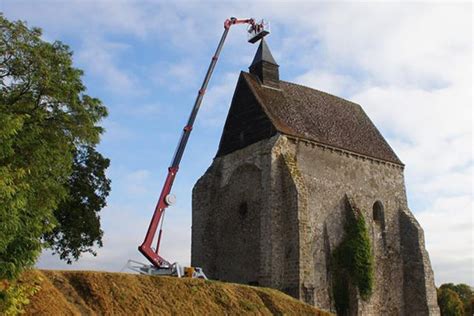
265 67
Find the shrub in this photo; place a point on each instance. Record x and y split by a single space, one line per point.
14 295
449 302
464 293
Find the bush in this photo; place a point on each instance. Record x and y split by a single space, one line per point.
448 296
449 303
14 295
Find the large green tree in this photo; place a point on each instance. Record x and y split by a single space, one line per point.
52 179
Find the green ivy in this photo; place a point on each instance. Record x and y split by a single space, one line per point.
352 262
14 295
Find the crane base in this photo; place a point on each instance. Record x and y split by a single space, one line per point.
174 269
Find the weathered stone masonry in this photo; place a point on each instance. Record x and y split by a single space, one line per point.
270 209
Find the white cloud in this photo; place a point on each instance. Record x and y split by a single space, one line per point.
91 17
335 84
97 21
121 239
115 132
136 182
99 58
142 111
392 41
421 121
125 222
448 223
176 76
413 82
407 64
412 74
218 99
448 184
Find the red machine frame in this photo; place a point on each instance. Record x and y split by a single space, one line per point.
166 199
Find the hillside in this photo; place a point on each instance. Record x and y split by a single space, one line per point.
99 293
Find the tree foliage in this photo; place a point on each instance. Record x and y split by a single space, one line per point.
449 303
52 181
78 216
449 296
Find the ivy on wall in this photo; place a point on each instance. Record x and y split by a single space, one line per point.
352 262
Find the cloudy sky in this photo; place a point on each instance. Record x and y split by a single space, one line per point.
409 65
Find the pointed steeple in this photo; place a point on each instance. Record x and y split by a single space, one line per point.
263 54
265 67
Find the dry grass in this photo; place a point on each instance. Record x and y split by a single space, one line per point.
103 293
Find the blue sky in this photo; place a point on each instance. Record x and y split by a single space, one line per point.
408 64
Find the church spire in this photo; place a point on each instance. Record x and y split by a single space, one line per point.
265 67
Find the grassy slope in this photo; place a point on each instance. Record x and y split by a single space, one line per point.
91 293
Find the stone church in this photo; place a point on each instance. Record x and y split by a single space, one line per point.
271 208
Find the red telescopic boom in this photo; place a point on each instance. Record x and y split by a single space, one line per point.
166 199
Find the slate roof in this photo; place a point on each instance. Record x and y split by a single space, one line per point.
310 114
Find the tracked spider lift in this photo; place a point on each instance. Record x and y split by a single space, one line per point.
160 266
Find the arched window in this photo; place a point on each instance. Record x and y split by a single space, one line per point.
243 210
379 214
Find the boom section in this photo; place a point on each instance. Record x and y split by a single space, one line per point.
166 199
